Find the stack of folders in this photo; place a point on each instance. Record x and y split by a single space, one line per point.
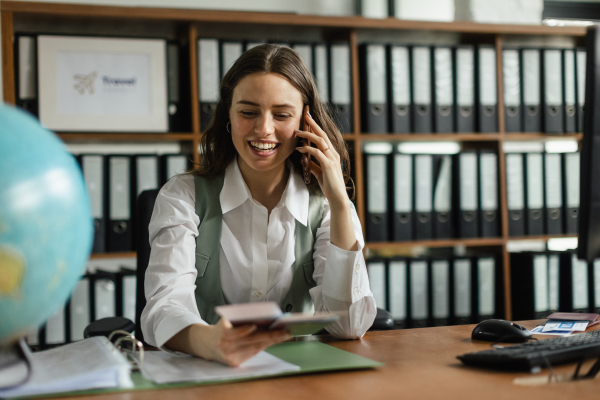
428 89
114 182
178 82
544 89
546 282
329 62
430 196
99 295
437 291
542 193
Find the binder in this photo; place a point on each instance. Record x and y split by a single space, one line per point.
443 94
574 284
513 109
531 82
119 235
80 308
487 97
571 195
418 292
595 286
530 285
580 61
553 282
229 52
27 96
376 185
376 271
55 328
399 89
208 79
468 194
145 173
373 8
104 296
486 288
488 194
127 293
553 92
423 200
515 194
442 198
569 85
398 291
553 189
534 182
374 103
421 89
178 91
322 71
341 89
403 197
440 292
305 50
465 88
462 291
171 165
93 169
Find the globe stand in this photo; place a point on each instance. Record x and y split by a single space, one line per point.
15 364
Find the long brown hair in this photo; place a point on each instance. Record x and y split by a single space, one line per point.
216 146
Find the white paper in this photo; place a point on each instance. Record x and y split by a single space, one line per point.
573 326
162 367
538 331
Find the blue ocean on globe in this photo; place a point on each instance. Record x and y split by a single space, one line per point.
46 225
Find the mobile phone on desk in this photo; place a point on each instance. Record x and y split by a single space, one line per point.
306 159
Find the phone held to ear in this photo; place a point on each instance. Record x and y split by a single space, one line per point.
306 159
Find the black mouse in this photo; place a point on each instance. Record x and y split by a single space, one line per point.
499 330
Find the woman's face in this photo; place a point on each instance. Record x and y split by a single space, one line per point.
265 111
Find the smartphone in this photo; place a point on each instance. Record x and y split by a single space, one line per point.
306 159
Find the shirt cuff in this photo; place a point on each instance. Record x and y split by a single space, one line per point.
345 277
172 325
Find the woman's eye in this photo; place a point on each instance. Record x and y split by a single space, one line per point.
248 113
282 116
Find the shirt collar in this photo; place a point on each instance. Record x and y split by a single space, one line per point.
235 192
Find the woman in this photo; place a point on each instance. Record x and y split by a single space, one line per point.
245 227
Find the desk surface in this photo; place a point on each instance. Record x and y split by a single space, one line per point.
419 364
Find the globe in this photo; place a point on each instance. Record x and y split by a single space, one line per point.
46 225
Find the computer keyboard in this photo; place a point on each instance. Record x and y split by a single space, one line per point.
527 356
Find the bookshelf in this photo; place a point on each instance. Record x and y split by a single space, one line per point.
188 25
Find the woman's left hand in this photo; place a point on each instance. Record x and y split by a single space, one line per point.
329 173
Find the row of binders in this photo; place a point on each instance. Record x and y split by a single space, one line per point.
97 295
114 182
430 196
542 193
544 282
330 64
443 89
421 292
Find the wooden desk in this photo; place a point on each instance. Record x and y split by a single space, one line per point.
419 364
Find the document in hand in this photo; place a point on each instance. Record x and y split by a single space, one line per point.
268 316
88 364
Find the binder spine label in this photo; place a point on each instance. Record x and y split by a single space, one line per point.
553 282
468 181
440 279
581 57
462 288
377 195
596 268
552 77
531 77
93 173
422 75
377 93
487 290
27 68
540 282
443 189
419 292
423 183
465 78
398 292
443 76
403 183
487 77
321 72
340 85
569 79
231 52
147 173
572 179
580 283
553 180
514 182
208 68
119 205
535 181
376 273
512 84
400 76
489 181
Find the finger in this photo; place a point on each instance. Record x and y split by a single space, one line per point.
317 129
320 155
239 332
321 143
256 341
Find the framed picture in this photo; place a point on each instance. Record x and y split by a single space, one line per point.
95 84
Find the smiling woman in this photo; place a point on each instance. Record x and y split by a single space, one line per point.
244 227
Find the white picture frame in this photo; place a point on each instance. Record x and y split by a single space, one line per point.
93 84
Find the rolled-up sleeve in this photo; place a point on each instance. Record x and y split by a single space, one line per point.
342 282
171 275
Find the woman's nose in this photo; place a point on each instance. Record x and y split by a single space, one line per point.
265 124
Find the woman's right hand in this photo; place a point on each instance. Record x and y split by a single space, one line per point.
222 342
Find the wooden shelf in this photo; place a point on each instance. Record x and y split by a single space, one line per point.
541 136
238 17
544 238
126 254
131 137
475 242
432 137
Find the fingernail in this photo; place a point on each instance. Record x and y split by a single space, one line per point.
309 116
297 131
298 148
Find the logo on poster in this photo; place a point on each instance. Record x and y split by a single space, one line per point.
85 82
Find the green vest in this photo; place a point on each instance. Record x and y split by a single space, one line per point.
209 292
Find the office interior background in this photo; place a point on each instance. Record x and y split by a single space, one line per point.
469 204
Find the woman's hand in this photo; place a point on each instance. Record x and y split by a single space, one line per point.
329 173
331 179
224 343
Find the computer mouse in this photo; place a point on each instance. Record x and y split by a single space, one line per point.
499 330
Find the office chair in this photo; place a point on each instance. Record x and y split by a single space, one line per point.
144 206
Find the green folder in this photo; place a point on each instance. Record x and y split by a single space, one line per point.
310 356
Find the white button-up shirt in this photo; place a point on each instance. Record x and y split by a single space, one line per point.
256 259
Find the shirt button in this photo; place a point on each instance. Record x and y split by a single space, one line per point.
355 291
258 294
357 268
